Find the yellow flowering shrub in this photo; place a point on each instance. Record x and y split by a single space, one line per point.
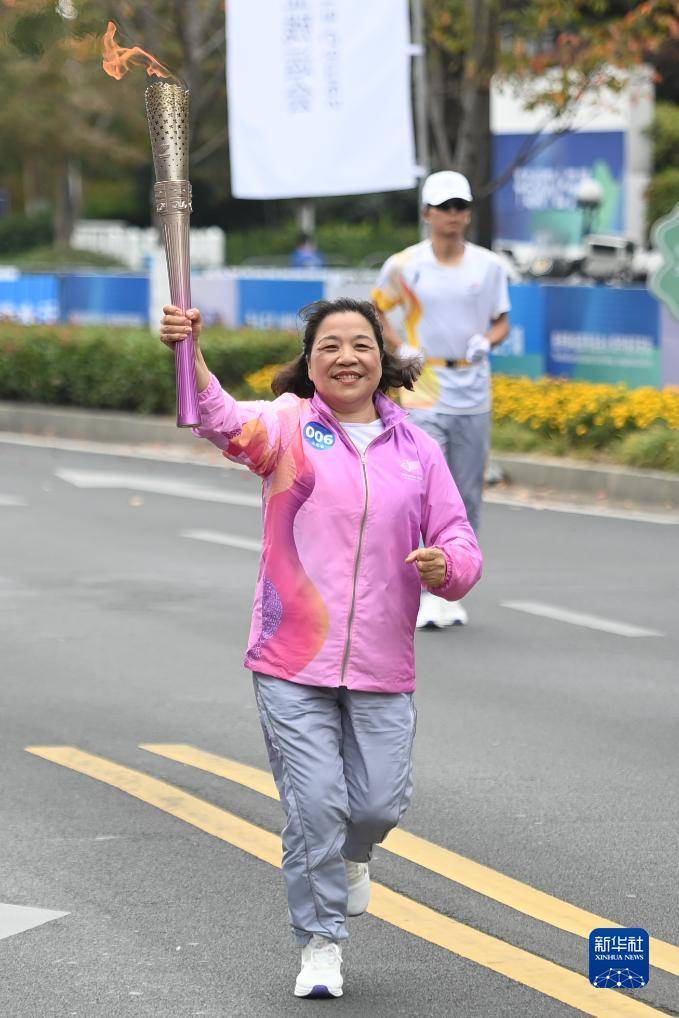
260 381
579 411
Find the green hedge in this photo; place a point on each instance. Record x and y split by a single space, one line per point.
123 369
57 259
21 233
354 243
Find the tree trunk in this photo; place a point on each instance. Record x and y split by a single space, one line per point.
306 216
443 153
473 148
33 183
68 202
483 214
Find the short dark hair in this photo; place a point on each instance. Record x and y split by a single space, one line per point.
294 377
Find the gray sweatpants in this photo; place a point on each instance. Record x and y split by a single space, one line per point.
465 441
341 760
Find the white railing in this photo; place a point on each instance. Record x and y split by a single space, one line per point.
137 246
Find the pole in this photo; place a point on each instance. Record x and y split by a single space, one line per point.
419 55
306 216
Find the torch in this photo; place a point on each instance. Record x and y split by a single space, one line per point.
167 111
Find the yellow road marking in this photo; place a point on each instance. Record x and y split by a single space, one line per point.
506 890
194 811
544 976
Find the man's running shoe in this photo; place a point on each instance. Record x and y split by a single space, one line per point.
436 613
358 882
452 613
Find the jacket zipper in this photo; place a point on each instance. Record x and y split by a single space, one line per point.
347 646
352 611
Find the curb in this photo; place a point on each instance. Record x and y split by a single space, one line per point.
92 425
643 487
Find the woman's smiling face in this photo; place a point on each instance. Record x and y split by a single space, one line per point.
345 364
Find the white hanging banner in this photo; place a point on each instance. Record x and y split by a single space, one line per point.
319 97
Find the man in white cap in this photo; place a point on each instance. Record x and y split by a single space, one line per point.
455 302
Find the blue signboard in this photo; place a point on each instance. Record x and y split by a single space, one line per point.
28 299
116 299
603 333
274 303
539 203
523 352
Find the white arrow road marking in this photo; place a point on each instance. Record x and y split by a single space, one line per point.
549 611
17 918
217 537
11 500
155 485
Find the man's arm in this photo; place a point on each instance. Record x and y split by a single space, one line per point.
499 330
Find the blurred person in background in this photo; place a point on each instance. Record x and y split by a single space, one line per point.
455 302
349 488
306 255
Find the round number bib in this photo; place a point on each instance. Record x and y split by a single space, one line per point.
318 435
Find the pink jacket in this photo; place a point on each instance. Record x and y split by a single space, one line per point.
336 603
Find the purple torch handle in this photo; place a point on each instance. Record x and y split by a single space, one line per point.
167 111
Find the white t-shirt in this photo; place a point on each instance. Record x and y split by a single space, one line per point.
362 434
444 306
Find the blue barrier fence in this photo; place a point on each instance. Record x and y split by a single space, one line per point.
588 332
599 333
29 298
78 298
118 300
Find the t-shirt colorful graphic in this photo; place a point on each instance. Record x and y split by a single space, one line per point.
444 306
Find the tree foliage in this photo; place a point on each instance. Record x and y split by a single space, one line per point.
556 50
62 118
63 121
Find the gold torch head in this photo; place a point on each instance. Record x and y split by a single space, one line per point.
167 112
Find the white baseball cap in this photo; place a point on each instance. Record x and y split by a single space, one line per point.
440 187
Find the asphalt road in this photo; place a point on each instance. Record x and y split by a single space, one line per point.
547 750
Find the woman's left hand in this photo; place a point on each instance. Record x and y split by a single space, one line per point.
431 565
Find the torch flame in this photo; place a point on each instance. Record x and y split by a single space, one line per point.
118 59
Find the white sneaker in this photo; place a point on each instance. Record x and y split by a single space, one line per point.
428 615
358 883
452 613
320 975
435 613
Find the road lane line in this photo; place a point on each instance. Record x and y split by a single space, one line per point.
549 611
477 877
546 977
155 486
168 798
198 454
668 518
218 537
